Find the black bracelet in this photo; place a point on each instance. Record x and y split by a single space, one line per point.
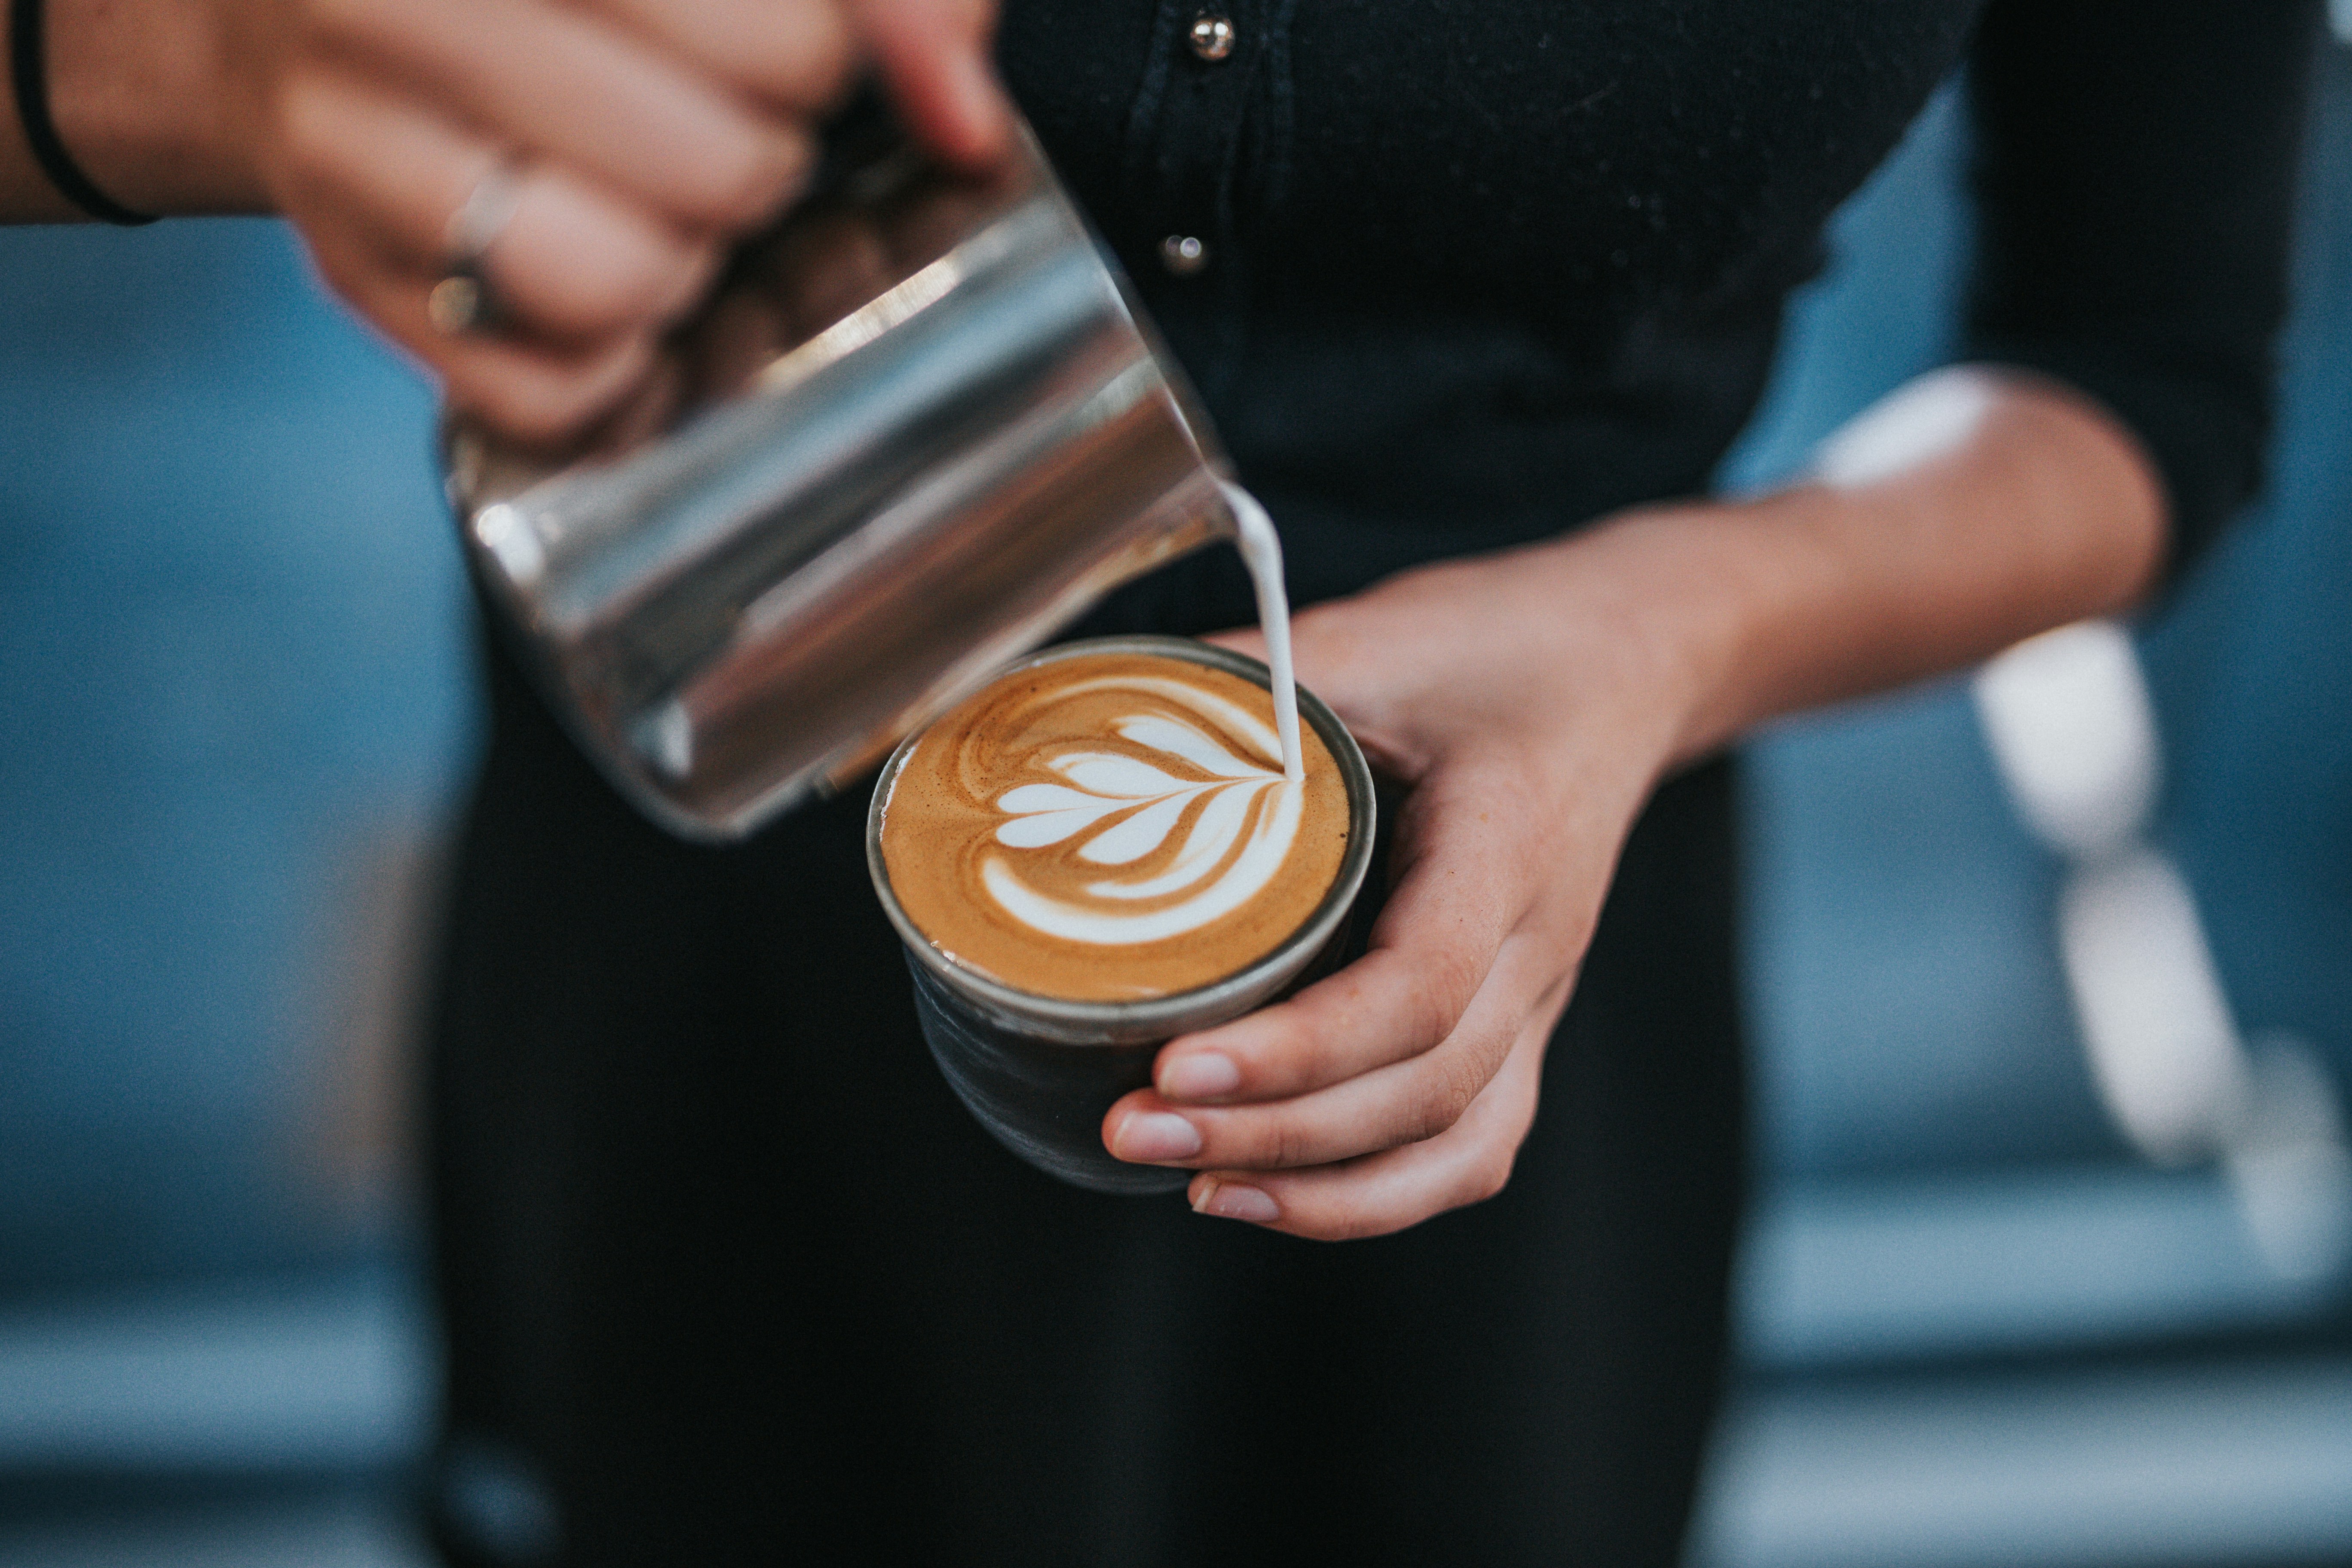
27 69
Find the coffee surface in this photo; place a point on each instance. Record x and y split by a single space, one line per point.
1111 827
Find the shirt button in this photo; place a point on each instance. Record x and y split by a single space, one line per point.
1211 37
1183 255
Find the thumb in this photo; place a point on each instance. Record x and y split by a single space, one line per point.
934 56
1241 640
1325 654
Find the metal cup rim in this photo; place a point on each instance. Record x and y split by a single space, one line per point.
1080 1023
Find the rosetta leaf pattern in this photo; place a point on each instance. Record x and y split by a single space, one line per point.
1123 809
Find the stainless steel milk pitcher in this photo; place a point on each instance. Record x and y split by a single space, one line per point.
919 428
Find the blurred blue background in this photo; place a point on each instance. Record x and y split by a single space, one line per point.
1976 1326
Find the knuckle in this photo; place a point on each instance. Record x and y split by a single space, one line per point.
678 278
1455 1083
1490 1176
309 129
539 407
1466 1077
626 286
1361 1222
1264 1138
1448 980
1301 1059
524 414
745 188
1428 1019
1285 1144
817 66
1576 937
581 266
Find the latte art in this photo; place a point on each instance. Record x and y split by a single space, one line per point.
1111 826
1244 819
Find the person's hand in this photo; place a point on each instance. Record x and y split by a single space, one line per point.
1530 701
1530 708
638 137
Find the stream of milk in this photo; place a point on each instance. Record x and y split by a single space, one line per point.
1261 550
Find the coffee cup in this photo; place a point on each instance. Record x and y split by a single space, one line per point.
1039 1072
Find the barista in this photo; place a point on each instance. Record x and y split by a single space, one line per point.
1477 298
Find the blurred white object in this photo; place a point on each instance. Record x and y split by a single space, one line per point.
2069 721
1917 422
2287 1161
2339 17
2070 726
243 1379
2199 1464
2163 1049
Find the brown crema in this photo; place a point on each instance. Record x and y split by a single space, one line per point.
1112 827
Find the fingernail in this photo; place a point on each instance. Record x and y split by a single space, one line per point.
1227 1201
1202 1075
1147 1136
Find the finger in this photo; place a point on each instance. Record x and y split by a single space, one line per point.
576 89
648 407
1405 1103
934 56
529 390
1361 683
794 55
1463 884
571 260
1380 1193
1252 641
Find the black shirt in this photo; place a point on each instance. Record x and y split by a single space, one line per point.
723 1262
1476 273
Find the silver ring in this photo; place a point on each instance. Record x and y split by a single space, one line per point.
464 299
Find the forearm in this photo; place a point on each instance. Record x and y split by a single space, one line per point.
140 95
2036 509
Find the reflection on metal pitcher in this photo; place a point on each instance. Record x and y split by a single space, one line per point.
919 427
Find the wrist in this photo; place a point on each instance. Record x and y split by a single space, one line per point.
139 93
1694 599
2040 511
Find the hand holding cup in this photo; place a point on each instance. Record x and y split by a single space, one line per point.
1529 720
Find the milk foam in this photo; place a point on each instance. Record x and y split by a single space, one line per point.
1229 856
1124 823
1232 852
